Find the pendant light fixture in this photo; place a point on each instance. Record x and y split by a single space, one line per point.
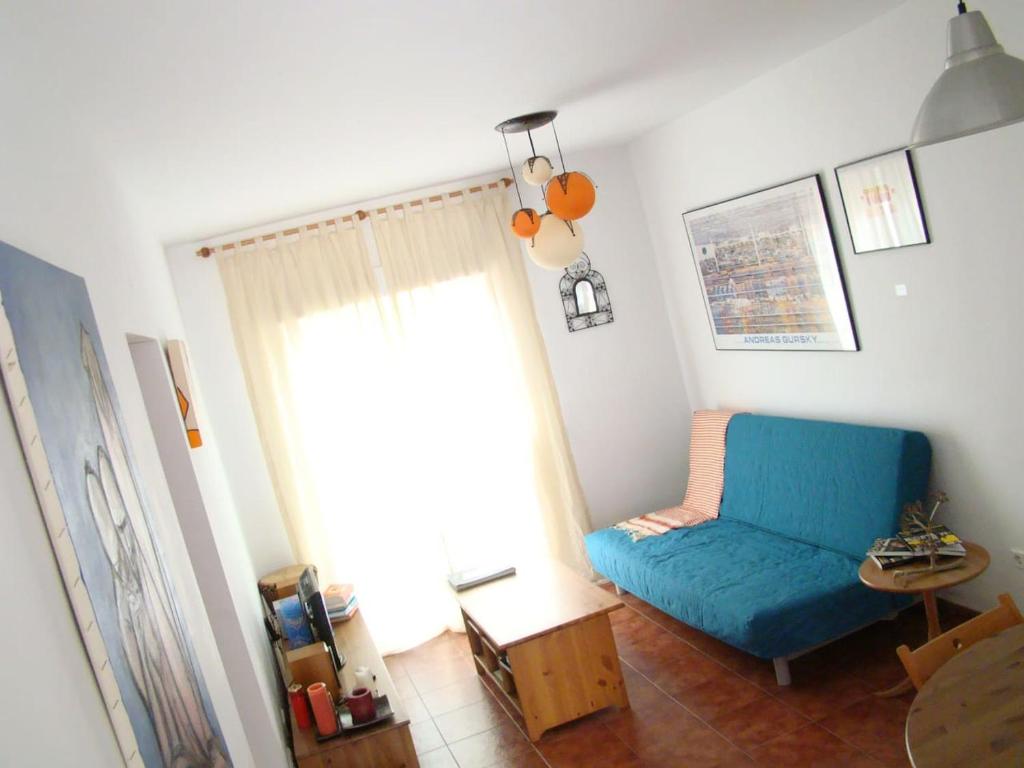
556 238
982 87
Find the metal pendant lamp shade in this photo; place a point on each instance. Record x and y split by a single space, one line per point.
982 87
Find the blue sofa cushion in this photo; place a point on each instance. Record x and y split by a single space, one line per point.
765 594
834 485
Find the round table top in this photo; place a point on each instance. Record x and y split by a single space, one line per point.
974 562
969 711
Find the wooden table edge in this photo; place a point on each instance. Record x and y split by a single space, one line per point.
549 630
911 589
1017 629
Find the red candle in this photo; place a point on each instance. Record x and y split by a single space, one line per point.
300 705
323 709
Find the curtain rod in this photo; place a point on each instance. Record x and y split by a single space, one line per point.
207 251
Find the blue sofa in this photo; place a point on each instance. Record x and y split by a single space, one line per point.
776 574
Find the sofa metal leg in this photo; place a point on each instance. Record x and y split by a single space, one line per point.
782 671
619 590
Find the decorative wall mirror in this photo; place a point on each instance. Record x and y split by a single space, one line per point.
584 296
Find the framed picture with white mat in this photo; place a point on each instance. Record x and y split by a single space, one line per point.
882 202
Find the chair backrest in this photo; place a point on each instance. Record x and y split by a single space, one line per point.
922 663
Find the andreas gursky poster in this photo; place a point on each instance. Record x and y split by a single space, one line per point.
58 386
768 271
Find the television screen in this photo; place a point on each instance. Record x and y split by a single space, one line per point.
316 610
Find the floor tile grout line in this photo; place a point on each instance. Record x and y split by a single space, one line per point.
515 724
865 675
847 741
749 752
770 692
510 718
642 614
687 709
705 655
809 721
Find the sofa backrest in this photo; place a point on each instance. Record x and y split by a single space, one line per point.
839 486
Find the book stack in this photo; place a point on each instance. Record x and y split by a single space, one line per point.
907 548
341 603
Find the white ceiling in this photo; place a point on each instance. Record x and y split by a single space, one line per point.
221 114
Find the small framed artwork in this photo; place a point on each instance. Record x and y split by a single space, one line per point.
882 202
768 270
181 375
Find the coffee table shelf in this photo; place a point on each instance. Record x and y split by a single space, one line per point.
489 664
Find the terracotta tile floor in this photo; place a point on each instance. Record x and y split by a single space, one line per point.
696 703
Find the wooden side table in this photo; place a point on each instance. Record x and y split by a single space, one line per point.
968 713
974 563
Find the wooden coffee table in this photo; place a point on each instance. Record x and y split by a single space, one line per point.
544 639
974 562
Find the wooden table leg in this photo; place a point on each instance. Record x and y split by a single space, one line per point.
931 612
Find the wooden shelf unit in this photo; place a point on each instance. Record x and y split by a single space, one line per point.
386 745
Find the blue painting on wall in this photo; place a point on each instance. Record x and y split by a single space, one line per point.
145 644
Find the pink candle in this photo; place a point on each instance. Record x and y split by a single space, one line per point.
323 709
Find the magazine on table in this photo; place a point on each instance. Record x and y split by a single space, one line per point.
948 542
890 553
895 552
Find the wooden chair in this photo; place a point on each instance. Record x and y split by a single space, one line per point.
922 663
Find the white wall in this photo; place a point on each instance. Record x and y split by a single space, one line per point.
231 602
57 204
621 392
947 359
622 395
224 404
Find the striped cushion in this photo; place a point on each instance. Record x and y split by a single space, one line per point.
704 486
707 469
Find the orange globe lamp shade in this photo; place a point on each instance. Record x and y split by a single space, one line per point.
570 196
525 223
557 243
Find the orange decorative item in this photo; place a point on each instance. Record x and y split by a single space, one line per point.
525 223
570 196
554 240
323 709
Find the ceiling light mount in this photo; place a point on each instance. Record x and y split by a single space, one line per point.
530 122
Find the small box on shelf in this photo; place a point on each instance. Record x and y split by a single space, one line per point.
314 664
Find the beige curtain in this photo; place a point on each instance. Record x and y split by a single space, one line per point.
405 405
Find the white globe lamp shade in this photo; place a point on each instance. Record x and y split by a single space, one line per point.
537 170
982 87
557 243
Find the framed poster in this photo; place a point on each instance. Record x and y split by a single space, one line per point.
882 202
58 387
768 270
